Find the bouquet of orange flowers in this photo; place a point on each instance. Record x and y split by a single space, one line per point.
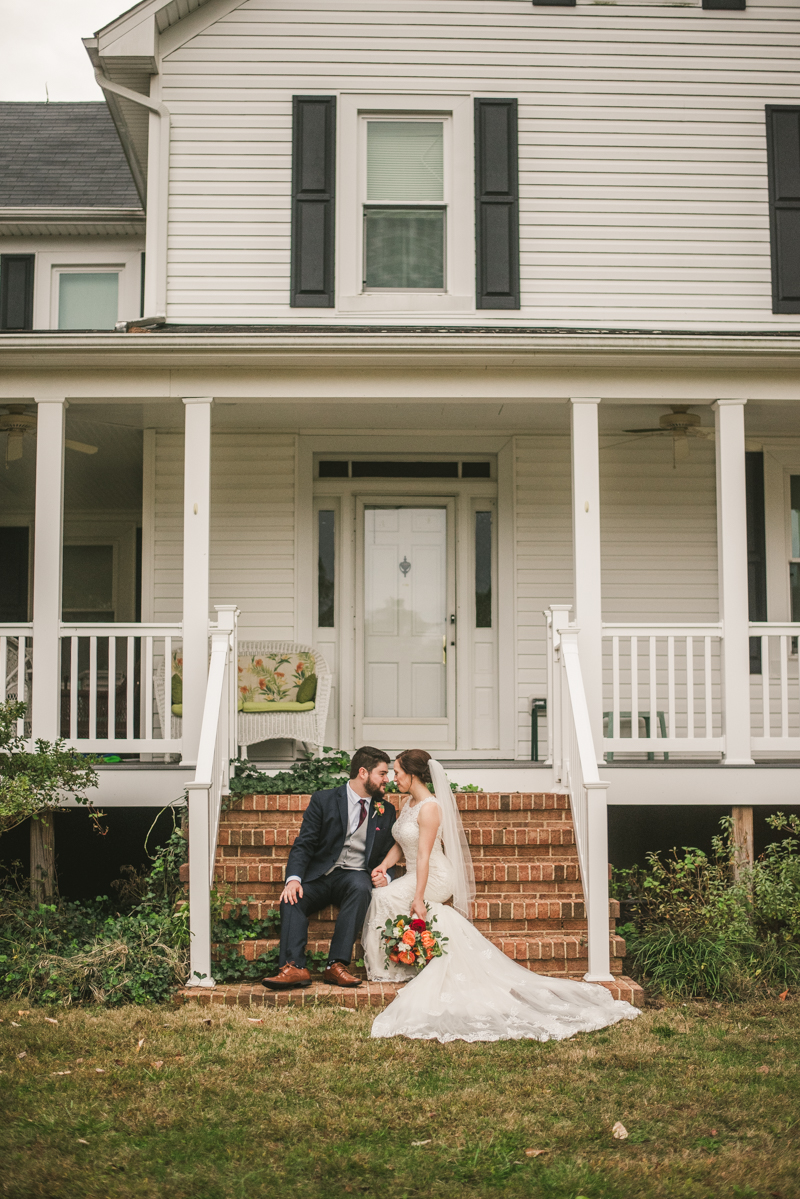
412 942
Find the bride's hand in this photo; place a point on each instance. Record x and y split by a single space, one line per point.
418 910
379 878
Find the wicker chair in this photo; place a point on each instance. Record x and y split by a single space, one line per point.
308 726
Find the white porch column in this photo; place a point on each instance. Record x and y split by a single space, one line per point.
49 520
586 558
196 531
732 559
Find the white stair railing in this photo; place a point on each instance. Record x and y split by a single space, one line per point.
210 785
575 766
16 665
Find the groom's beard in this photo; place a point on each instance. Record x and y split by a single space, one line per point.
374 789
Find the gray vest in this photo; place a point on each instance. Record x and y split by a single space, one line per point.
354 850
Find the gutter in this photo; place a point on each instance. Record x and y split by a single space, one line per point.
155 286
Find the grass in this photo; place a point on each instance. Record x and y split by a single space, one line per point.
164 1103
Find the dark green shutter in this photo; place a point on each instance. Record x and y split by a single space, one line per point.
16 291
496 204
729 4
756 548
313 199
783 165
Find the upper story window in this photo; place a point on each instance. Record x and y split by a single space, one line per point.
404 204
87 299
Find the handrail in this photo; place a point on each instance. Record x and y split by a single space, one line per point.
575 763
210 784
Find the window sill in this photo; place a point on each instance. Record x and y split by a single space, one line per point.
415 302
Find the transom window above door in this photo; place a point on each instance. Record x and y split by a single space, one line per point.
405 204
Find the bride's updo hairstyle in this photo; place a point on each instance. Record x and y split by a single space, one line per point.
415 761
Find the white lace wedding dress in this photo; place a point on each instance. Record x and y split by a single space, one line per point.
474 992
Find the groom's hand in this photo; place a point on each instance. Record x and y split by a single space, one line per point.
379 878
292 892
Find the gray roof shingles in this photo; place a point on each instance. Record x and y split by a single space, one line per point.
62 155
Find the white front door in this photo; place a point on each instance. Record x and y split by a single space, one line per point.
408 663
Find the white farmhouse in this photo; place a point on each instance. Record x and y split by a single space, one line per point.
455 363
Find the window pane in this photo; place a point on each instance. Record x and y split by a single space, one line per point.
404 247
794 587
483 570
88 581
88 301
325 570
795 492
405 160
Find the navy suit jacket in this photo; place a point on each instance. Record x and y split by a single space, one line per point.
323 831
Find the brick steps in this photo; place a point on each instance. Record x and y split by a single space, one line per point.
529 899
368 995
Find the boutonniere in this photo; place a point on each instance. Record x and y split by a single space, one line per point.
379 808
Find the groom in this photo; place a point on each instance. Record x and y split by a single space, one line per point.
345 833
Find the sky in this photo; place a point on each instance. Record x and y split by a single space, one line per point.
41 49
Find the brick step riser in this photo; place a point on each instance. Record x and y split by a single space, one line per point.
235 822
479 801
370 996
566 949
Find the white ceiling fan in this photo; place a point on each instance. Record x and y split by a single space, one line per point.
16 422
680 424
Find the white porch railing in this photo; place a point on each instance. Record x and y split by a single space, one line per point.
212 776
575 766
16 666
666 678
107 693
775 696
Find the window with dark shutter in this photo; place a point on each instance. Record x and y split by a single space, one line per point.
496 204
16 291
783 165
729 4
313 188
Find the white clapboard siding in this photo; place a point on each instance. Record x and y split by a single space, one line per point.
659 542
642 147
252 530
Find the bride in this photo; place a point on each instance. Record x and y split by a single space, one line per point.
473 992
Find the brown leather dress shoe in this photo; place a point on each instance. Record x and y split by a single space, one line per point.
288 977
337 975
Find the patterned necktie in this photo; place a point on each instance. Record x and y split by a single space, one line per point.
363 816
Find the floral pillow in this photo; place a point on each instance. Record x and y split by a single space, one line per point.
274 676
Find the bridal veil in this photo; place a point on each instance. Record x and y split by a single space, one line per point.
454 841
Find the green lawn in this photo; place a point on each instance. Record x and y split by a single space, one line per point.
305 1104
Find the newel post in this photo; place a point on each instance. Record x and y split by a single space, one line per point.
733 589
199 795
596 893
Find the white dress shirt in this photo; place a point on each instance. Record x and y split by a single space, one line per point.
354 818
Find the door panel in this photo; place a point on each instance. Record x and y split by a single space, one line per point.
407 600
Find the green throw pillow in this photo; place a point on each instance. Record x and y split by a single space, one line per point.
307 689
177 689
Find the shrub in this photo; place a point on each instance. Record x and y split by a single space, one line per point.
91 952
699 930
302 778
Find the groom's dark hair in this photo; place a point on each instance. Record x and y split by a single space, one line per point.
368 757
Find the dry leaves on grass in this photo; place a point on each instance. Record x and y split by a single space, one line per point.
535 1152
762 1070
619 1131
50 1020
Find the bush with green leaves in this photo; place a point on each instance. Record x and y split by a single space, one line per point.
305 777
698 928
97 951
32 783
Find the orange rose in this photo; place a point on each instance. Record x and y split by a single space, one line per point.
407 959
409 937
394 957
427 939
